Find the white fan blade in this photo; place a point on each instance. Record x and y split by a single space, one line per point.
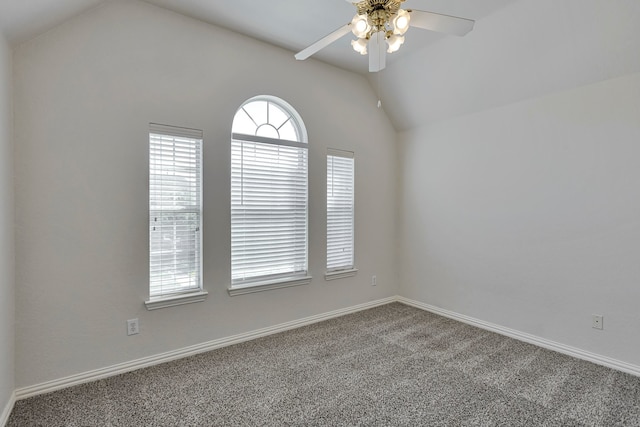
323 42
377 52
441 23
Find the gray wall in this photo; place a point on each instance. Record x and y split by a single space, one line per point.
85 93
7 341
520 198
528 216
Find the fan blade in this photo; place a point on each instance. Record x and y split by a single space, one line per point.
323 42
441 23
377 52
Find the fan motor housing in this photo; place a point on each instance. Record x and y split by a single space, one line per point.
379 12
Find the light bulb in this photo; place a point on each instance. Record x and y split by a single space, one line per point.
360 25
360 46
394 42
401 22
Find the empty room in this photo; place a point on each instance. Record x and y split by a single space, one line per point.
319 213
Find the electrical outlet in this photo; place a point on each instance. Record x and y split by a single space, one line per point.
598 322
374 281
132 327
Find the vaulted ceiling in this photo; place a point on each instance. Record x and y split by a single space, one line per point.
518 49
290 24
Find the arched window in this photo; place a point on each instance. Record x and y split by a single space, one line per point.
269 196
271 118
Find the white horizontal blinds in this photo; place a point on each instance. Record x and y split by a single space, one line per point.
340 210
269 163
175 208
268 210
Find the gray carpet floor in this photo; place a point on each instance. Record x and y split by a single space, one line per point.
389 366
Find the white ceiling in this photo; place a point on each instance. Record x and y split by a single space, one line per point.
291 24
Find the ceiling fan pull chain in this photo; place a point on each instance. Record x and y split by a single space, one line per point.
379 101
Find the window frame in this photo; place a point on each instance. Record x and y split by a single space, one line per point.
196 293
277 280
347 270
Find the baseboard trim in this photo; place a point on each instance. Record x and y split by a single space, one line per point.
4 416
531 339
121 368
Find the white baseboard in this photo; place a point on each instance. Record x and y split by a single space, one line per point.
531 339
97 374
4 416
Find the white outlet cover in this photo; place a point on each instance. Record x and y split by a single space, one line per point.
132 327
598 321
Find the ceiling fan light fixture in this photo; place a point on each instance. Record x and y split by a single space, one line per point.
401 22
394 42
360 26
360 46
380 21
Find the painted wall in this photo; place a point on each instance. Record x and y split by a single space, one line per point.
519 172
84 96
528 216
7 319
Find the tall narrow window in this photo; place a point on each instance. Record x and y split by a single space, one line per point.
175 208
268 197
340 210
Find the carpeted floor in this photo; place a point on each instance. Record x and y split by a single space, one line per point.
389 366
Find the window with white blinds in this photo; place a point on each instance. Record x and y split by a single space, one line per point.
269 197
340 210
175 208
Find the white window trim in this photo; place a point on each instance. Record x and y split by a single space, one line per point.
267 285
173 300
340 274
263 140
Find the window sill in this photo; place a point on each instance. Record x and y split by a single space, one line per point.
173 300
268 285
340 274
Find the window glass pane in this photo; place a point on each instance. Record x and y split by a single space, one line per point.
277 116
288 132
242 123
258 111
268 131
175 245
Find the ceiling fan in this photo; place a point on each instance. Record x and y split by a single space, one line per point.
380 26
